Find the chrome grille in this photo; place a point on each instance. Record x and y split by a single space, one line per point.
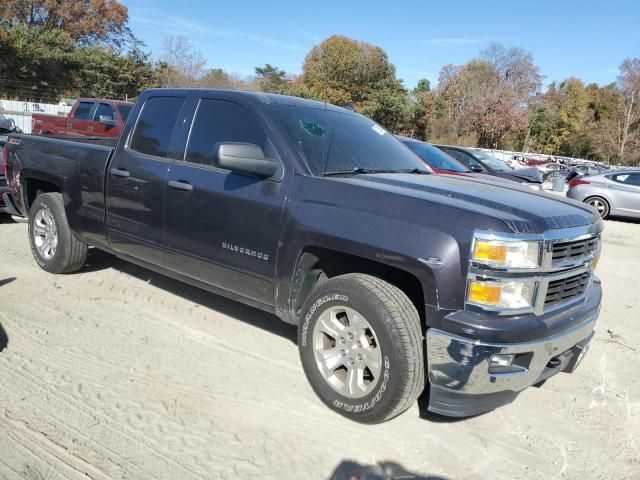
566 289
574 250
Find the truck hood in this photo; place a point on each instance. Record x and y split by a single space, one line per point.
520 208
527 174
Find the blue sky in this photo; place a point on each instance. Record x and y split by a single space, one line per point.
586 39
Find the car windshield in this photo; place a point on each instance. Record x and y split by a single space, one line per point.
436 158
492 162
331 141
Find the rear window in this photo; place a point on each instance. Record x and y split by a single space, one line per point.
83 111
154 129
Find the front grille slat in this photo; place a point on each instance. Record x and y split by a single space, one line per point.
565 289
571 250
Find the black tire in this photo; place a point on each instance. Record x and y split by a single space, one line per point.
600 204
70 253
398 335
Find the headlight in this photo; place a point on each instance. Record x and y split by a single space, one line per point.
506 254
501 295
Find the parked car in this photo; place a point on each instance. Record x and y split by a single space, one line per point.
483 162
552 170
611 193
89 117
436 159
7 125
442 163
396 278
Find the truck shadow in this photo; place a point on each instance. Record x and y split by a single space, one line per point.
98 260
4 340
350 470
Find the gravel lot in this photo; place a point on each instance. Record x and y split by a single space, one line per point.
117 372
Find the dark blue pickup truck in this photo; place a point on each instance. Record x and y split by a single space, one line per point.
396 278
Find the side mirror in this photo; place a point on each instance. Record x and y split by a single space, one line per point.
476 168
107 121
246 158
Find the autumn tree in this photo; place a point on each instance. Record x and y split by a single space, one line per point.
85 21
218 78
55 48
348 72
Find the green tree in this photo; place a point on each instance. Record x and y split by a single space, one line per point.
271 79
423 86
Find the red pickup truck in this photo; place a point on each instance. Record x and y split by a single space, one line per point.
89 117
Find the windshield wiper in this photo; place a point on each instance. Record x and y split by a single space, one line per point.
367 171
355 171
418 171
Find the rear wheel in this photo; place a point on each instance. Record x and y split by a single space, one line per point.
361 347
54 246
600 204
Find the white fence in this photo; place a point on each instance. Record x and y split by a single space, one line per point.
21 112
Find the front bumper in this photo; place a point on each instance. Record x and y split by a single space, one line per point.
462 381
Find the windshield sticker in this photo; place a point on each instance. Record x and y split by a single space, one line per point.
378 129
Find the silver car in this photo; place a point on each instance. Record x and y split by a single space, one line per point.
611 193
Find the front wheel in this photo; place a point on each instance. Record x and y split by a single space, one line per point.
54 246
361 347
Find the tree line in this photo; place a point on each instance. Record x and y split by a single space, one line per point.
53 49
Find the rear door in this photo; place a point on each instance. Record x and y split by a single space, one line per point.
222 228
626 193
82 118
137 177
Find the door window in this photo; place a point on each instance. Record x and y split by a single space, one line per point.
83 111
154 129
221 121
104 110
627 178
464 158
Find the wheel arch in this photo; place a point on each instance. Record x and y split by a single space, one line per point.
316 264
34 186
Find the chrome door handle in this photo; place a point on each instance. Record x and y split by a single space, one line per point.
181 185
120 172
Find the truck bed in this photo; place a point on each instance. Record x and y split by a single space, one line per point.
77 166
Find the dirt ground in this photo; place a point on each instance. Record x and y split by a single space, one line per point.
117 372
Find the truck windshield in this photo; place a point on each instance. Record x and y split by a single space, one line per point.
331 141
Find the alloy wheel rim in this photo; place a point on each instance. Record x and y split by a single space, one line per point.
599 206
347 352
45 234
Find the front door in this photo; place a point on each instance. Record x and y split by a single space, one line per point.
100 129
136 182
222 228
78 124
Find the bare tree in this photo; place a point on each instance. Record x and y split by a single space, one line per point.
186 65
629 84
